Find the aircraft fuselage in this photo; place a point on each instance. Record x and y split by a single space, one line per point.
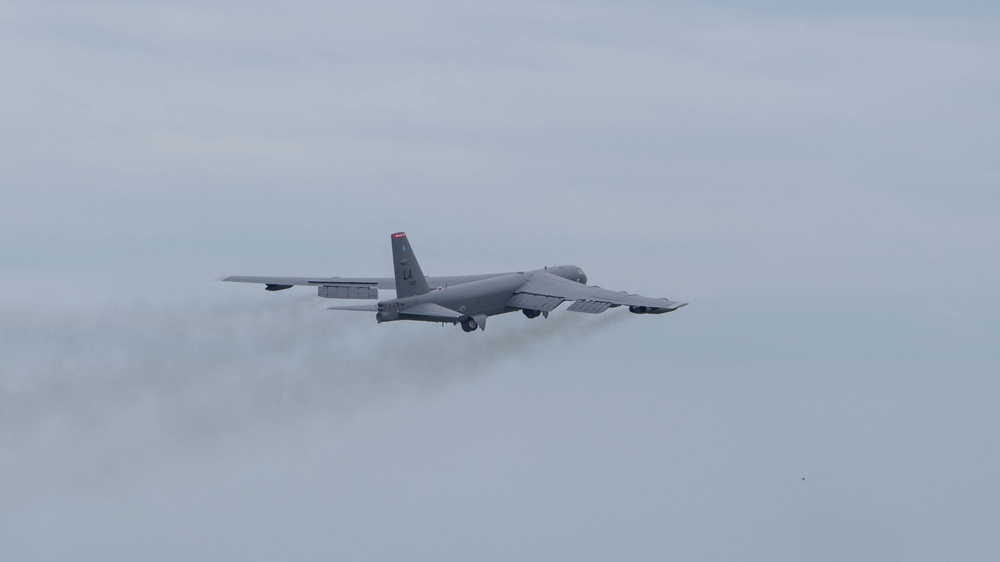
487 297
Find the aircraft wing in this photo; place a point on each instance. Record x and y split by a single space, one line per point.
279 283
544 292
387 283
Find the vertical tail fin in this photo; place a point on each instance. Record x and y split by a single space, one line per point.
410 279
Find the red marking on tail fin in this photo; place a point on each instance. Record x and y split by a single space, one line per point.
399 235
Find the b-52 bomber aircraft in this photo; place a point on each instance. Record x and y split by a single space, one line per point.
467 299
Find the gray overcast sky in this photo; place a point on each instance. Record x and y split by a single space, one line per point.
821 183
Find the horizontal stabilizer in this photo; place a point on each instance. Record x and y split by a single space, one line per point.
430 311
358 307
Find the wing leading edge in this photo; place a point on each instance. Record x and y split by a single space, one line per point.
288 282
388 283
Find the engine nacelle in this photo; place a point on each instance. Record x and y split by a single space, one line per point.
386 312
649 309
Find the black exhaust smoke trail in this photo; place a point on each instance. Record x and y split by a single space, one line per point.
94 401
